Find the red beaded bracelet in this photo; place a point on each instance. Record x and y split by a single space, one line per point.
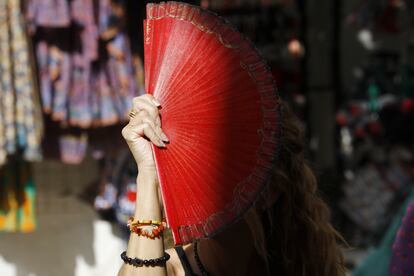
137 227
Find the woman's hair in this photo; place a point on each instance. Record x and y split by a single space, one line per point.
297 237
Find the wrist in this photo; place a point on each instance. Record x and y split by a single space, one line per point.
147 204
147 168
147 177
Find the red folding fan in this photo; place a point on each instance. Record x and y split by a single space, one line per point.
220 112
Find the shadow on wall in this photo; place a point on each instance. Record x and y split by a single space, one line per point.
70 240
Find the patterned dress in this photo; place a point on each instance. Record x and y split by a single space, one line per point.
20 122
85 64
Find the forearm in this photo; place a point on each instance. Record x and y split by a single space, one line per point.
147 207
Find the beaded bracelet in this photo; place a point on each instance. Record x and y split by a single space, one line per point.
137 228
139 262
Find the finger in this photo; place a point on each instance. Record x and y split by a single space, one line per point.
151 134
130 134
153 126
143 104
141 116
144 116
158 121
138 118
157 129
148 99
152 99
158 124
147 102
135 130
163 136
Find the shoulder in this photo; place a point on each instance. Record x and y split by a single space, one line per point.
174 266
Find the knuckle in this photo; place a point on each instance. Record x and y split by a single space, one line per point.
158 121
148 121
154 110
126 132
135 99
143 114
138 99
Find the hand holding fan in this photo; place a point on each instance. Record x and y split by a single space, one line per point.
220 112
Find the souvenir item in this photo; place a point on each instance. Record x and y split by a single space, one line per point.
21 127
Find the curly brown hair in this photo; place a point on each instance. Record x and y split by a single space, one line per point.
296 236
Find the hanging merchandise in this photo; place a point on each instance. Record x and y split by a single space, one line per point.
378 162
117 186
17 198
372 194
72 144
387 16
73 147
85 64
377 146
20 119
87 75
381 101
402 260
377 263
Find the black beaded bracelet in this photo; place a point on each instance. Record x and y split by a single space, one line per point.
151 262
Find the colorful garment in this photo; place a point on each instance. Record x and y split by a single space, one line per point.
402 261
117 188
28 122
21 126
8 97
48 13
86 74
85 63
17 198
73 148
371 195
377 263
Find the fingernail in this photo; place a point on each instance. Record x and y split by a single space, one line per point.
164 137
157 103
162 144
